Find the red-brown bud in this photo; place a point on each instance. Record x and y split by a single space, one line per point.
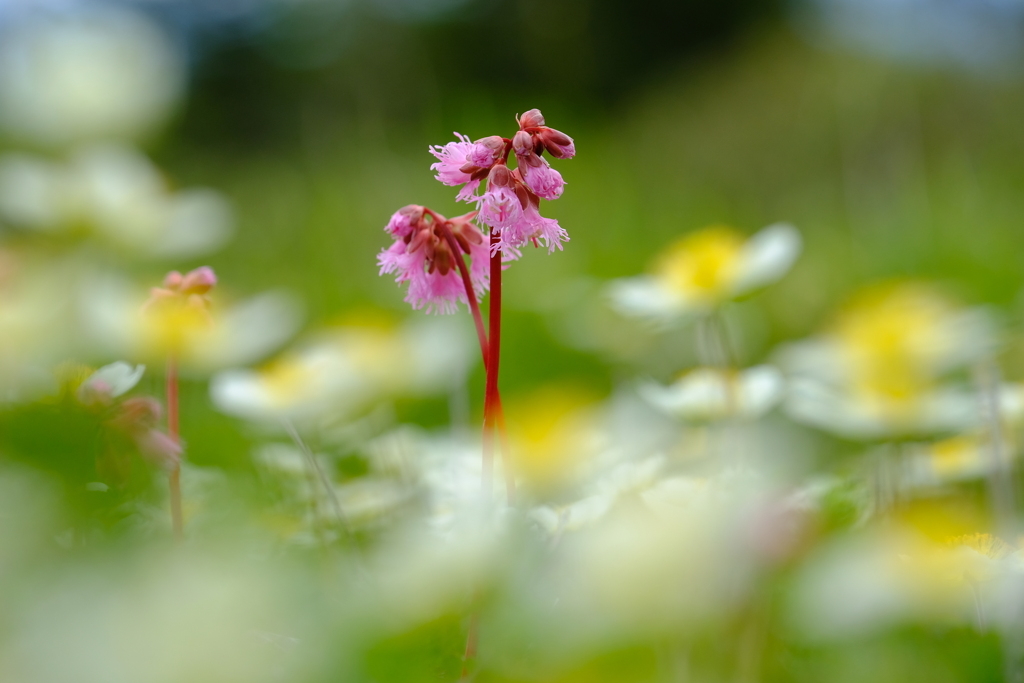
522 143
531 119
557 143
499 176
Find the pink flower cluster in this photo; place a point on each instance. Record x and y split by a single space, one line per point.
510 205
422 255
136 418
190 290
429 249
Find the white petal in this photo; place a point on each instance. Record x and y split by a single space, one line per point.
643 296
240 393
766 257
700 395
441 351
97 73
761 388
31 192
122 195
815 403
248 332
199 222
708 394
118 378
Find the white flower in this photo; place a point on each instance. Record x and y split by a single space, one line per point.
310 381
38 323
342 369
201 341
879 370
710 394
119 195
707 268
87 75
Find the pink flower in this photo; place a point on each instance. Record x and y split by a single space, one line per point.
531 227
450 160
158 448
538 175
485 153
455 166
500 206
424 259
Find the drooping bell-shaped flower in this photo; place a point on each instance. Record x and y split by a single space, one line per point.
423 256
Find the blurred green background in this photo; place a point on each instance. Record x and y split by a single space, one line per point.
684 114
895 147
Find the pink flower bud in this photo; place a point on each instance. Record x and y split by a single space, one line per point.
172 280
531 119
199 281
522 143
404 220
137 413
158 448
485 152
557 143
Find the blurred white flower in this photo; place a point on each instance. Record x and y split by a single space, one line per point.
707 268
645 573
98 73
112 380
202 341
957 458
707 394
862 584
878 371
555 433
342 369
38 323
118 195
131 624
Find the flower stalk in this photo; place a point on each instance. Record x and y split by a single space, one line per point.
173 430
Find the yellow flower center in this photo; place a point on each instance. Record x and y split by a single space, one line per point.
174 326
550 434
985 544
285 379
893 336
702 265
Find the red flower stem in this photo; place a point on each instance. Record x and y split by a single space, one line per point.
491 400
172 430
471 641
474 307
